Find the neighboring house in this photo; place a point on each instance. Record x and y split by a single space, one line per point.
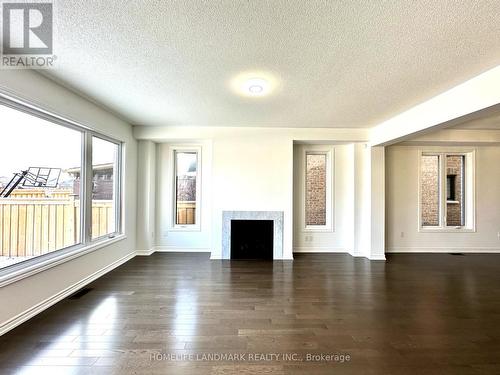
4 181
102 181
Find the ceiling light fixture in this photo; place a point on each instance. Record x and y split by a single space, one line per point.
256 89
254 84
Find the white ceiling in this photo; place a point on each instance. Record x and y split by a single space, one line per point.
488 122
340 63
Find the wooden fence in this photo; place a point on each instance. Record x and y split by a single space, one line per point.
186 212
36 226
103 218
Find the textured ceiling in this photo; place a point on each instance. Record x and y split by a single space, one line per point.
338 63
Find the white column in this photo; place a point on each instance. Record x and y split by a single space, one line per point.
146 196
377 207
369 202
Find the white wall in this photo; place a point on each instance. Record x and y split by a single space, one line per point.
369 210
251 169
169 239
402 205
252 172
362 200
146 196
377 203
340 239
23 295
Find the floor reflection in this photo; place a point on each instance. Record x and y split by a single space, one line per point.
407 313
185 321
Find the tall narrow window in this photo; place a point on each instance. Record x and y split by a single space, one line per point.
317 197
429 181
446 190
315 189
186 187
455 173
104 168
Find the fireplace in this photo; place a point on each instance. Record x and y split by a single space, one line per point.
252 239
267 224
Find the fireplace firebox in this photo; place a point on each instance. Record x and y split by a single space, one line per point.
252 239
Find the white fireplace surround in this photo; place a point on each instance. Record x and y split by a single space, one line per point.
275 216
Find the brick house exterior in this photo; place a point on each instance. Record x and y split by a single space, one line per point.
454 166
430 190
316 189
429 165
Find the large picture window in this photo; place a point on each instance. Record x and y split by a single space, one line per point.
447 190
47 185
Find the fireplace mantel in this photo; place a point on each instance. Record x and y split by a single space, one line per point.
275 216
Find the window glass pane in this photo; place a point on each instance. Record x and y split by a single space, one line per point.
454 190
104 167
315 189
186 170
40 166
429 185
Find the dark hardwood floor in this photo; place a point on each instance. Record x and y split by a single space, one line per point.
414 314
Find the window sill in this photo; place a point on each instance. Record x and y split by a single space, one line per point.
34 266
185 229
447 230
312 230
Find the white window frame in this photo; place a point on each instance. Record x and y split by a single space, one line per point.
330 154
469 189
29 267
174 227
117 187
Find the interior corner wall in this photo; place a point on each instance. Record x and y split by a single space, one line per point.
377 203
243 169
251 170
362 199
369 202
27 293
340 239
402 234
146 195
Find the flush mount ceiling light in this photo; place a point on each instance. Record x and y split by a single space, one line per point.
256 86
253 84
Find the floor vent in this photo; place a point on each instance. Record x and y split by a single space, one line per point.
80 293
461 254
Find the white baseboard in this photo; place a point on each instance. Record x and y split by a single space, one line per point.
219 257
38 308
319 249
144 252
443 250
376 257
356 254
331 250
171 249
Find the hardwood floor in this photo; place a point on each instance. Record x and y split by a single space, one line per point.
164 314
